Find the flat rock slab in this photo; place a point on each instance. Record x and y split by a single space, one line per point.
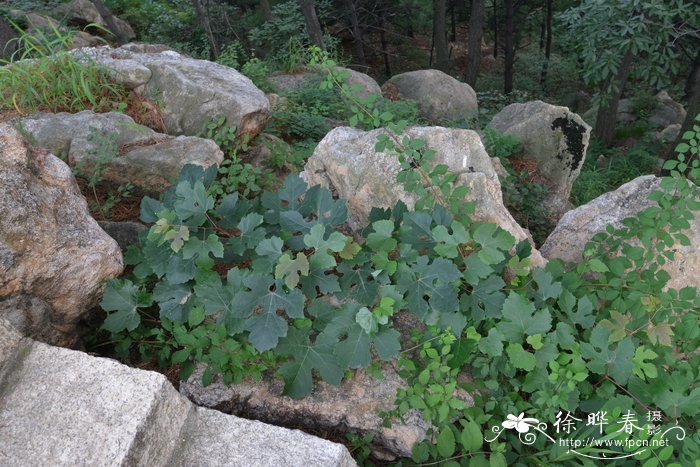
126 151
61 407
215 439
351 407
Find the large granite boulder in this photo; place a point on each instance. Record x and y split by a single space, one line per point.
346 162
440 97
554 137
131 152
577 227
53 255
190 92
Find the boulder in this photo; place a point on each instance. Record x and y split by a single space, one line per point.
365 83
84 12
53 255
667 112
577 227
662 111
351 407
128 152
346 162
439 96
189 91
264 147
553 136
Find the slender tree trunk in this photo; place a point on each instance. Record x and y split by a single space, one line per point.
111 22
547 43
495 28
607 114
266 10
453 18
382 39
356 32
509 47
203 17
440 35
476 32
313 27
692 94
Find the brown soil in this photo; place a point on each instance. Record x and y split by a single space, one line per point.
127 209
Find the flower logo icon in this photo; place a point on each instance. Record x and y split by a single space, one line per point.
520 423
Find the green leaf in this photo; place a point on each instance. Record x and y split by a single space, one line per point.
546 285
353 351
492 345
335 243
471 437
177 237
520 358
196 248
123 298
617 326
297 373
269 251
603 359
597 265
367 321
290 269
192 202
250 235
381 239
642 368
494 242
171 299
520 318
150 209
446 442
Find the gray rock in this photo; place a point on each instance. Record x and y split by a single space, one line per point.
60 407
131 152
144 48
125 233
668 112
84 12
351 407
190 92
223 440
346 162
440 96
577 227
285 82
264 146
365 83
553 136
670 133
50 247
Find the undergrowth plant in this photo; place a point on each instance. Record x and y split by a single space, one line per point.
274 283
43 76
234 174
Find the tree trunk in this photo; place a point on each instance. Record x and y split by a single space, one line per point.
476 32
356 32
453 19
692 93
547 43
203 17
607 114
440 35
266 10
382 39
313 27
495 28
509 47
111 22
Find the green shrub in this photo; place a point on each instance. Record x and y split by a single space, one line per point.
47 78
